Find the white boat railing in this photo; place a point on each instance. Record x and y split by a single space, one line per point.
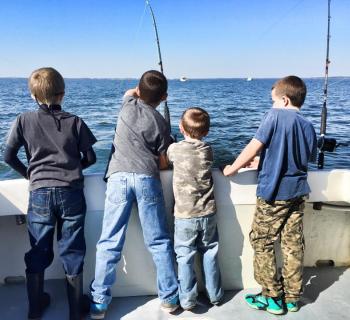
327 231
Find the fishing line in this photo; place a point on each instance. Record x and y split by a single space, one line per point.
279 20
259 40
138 30
166 108
330 85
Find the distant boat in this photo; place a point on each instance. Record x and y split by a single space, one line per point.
183 79
249 79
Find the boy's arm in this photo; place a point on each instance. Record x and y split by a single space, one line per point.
85 143
163 146
254 164
131 93
248 153
14 142
163 162
89 158
10 157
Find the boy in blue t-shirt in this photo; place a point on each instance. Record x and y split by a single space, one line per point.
287 142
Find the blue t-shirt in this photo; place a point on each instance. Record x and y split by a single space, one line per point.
289 144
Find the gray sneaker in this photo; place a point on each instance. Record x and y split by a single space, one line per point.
170 306
189 308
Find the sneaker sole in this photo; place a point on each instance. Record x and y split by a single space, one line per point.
169 310
97 316
293 310
189 308
276 312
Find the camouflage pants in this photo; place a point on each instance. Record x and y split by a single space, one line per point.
284 220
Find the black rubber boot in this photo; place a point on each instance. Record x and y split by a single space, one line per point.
78 303
37 298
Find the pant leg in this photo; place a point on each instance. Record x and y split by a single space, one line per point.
41 223
208 246
118 205
267 224
152 214
292 245
185 247
71 211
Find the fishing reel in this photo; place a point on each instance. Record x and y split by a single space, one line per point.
326 144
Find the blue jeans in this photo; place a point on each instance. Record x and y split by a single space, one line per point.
123 189
66 208
192 235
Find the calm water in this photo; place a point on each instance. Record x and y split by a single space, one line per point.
235 106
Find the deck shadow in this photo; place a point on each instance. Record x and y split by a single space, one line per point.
317 280
123 306
204 304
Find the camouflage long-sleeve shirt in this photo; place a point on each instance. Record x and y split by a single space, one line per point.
192 179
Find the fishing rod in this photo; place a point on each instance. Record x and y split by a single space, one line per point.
325 143
166 108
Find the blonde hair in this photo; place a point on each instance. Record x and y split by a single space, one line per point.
46 85
195 122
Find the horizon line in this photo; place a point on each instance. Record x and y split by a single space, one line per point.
199 78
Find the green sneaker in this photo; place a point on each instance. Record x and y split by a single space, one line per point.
292 306
269 304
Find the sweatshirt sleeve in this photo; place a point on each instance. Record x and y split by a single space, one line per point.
15 136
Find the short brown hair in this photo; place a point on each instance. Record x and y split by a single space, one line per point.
153 86
46 84
196 122
292 87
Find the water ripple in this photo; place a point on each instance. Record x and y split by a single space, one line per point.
235 106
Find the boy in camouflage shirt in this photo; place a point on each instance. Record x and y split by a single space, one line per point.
195 218
287 142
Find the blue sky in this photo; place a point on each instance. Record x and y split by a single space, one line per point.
199 38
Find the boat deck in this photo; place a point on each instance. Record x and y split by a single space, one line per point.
326 296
